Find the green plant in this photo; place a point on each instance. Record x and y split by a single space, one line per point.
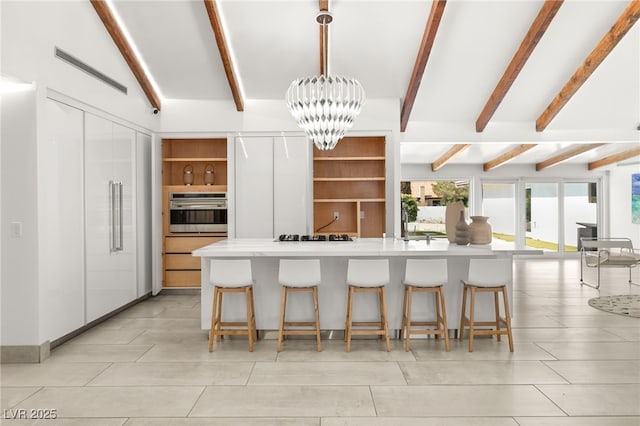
449 192
410 203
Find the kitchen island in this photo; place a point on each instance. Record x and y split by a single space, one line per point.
266 253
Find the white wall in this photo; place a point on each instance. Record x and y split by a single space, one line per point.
620 204
19 287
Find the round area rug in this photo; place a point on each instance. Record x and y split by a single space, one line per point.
627 305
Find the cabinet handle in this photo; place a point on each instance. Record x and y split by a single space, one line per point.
120 246
112 222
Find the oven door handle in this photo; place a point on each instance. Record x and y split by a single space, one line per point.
175 206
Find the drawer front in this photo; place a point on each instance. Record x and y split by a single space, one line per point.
188 244
182 279
181 261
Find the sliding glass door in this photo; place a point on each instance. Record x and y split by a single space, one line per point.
580 213
499 204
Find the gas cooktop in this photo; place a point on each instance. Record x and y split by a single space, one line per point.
331 237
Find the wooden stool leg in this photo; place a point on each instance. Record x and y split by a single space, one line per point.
444 318
464 312
250 333
409 301
436 299
403 331
283 308
386 322
212 331
507 317
253 316
349 318
496 304
471 317
315 307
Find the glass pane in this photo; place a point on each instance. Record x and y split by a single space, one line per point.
499 204
541 211
580 213
430 199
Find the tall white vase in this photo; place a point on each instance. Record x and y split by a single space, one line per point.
451 217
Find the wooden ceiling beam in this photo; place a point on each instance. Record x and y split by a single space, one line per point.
507 156
621 156
536 31
574 152
430 31
114 30
444 158
595 58
221 41
323 5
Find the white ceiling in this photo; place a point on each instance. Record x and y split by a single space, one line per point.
376 41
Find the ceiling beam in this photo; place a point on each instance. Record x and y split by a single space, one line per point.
221 41
598 54
536 31
621 156
323 5
114 30
437 9
574 152
507 156
444 158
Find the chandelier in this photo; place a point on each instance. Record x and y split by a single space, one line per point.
325 106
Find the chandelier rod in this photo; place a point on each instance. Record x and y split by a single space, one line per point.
324 18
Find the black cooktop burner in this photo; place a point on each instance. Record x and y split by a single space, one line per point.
331 237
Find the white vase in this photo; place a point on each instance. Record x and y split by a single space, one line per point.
451 217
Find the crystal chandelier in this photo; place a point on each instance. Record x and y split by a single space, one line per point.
325 106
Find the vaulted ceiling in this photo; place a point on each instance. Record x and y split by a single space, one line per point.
481 78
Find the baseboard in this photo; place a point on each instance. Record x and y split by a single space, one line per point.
25 353
179 290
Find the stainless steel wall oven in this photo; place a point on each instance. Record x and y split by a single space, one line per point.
197 212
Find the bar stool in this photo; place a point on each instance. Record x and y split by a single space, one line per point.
487 275
232 276
425 276
368 276
299 276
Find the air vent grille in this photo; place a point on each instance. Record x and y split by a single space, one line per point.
61 54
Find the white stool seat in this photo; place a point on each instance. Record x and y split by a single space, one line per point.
232 276
299 272
489 272
425 276
370 275
299 275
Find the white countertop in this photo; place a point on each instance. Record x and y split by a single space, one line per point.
359 247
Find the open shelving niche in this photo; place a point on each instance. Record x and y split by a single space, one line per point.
350 180
180 269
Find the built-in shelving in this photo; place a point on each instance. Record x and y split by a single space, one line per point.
350 181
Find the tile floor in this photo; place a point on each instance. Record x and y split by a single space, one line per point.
149 366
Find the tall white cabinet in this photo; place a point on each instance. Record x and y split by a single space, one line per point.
109 220
272 186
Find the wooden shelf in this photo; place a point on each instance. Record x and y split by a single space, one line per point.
349 200
349 159
347 179
195 159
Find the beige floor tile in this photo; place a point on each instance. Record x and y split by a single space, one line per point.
533 321
603 372
417 421
50 374
607 321
236 350
153 337
326 373
578 421
227 421
336 350
69 422
593 350
288 401
521 335
143 310
106 336
97 353
627 333
161 323
179 312
9 396
462 400
484 349
174 374
595 400
167 401
479 373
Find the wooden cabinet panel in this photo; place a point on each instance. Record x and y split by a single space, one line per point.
188 244
181 262
182 279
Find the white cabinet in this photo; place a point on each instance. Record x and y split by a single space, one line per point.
110 224
272 179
